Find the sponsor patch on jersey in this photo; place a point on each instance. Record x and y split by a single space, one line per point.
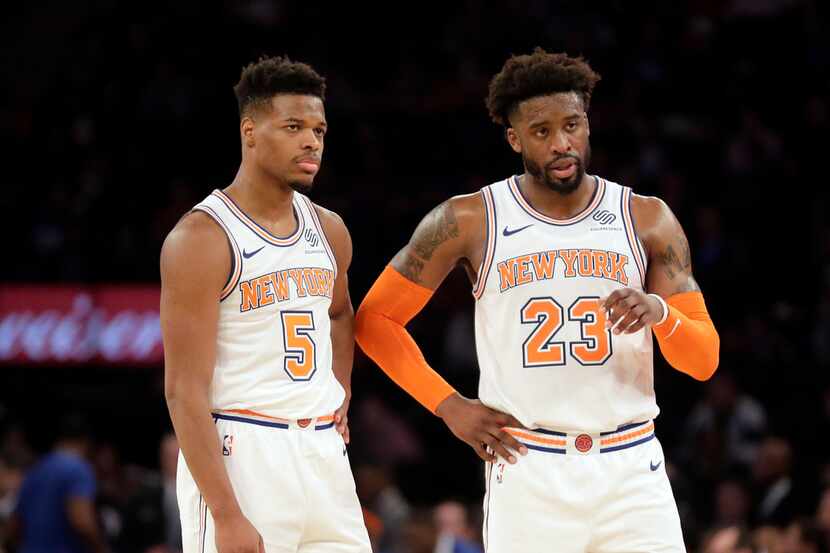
583 443
311 237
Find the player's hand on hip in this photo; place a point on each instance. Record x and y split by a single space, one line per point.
236 534
341 419
481 428
628 310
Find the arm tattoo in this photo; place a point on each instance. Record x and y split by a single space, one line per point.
437 227
410 268
673 263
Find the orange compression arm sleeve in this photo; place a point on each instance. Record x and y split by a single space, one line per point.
380 331
687 337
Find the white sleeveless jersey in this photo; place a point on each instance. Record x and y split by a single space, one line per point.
273 351
543 349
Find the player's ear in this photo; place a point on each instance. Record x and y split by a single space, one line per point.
513 139
246 131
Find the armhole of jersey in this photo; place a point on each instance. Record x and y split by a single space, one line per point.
634 243
490 242
236 259
316 222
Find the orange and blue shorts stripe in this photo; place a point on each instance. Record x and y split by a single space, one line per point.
551 441
252 417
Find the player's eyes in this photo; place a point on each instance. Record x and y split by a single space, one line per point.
292 127
320 132
542 132
571 126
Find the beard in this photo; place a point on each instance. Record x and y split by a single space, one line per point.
562 186
301 187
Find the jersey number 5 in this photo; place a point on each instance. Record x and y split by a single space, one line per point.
539 350
300 349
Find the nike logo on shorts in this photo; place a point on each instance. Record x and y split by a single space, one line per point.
247 255
654 467
507 232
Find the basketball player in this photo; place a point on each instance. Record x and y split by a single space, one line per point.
258 339
571 274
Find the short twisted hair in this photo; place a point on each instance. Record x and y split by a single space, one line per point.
269 76
538 74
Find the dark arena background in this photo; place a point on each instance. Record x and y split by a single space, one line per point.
116 118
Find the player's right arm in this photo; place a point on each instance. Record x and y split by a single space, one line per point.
452 234
195 263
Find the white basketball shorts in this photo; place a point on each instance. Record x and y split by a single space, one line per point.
583 493
292 480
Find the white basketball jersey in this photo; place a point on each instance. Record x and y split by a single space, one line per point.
543 349
273 351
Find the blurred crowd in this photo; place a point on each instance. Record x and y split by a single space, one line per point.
747 497
117 127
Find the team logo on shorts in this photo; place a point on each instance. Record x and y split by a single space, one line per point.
227 445
499 472
583 443
302 423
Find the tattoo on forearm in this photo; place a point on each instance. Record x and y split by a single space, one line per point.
437 227
673 263
411 268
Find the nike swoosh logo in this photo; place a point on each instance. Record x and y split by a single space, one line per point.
654 467
247 255
507 232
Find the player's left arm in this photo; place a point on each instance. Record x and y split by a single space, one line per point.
341 312
674 305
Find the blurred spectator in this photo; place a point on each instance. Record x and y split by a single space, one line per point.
374 527
381 497
730 539
732 503
418 534
113 490
455 534
12 471
802 536
775 500
56 510
767 539
724 429
151 516
823 514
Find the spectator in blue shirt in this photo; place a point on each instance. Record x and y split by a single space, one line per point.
56 505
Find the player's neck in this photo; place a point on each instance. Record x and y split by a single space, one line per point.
262 198
555 204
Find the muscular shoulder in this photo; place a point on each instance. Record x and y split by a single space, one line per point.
456 222
197 248
653 218
669 255
649 211
337 234
448 235
469 210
